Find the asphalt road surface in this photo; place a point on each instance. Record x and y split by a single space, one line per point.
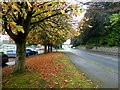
108 60
100 67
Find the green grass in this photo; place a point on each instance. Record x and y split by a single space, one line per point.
72 74
24 80
69 77
97 64
61 49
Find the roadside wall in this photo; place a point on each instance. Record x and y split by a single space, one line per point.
114 50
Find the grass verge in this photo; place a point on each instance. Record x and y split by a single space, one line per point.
53 70
96 64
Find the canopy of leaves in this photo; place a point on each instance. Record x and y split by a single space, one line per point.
113 35
97 17
22 17
54 31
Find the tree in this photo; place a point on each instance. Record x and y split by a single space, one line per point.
113 30
21 17
96 16
52 32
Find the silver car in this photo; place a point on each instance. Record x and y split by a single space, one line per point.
11 53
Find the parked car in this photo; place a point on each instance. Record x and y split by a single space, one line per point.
3 58
41 48
30 52
11 53
34 50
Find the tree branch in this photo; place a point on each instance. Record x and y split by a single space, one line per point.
9 31
15 18
26 26
45 12
46 18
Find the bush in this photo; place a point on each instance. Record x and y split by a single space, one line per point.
89 46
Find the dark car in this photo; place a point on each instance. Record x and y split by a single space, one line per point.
35 52
29 52
3 58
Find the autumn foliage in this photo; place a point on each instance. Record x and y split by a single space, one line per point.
45 65
52 70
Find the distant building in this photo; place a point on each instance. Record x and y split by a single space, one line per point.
67 42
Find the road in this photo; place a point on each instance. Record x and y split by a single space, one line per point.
100 67
108 60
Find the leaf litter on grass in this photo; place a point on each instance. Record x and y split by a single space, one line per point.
52 70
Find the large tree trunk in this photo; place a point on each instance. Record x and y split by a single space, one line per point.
21 56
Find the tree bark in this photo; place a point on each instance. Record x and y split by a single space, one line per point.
20 56
50 47
60 45
45 48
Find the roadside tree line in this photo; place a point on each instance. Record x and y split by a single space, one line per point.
37 22
104 21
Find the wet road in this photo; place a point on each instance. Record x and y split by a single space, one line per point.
107 60
100 67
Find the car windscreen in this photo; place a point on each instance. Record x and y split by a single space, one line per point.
28 50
